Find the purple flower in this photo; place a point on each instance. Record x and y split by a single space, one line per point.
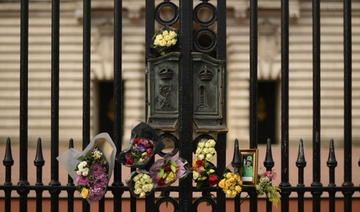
82 180
96 193
141 148
101 181
97 169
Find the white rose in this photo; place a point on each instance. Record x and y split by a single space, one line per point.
201 157
195 175
207 144
142 195
212 142
85 173
158 37
201 144
212 151
198 151
209 156
165 32
172 34
137 191
206 150
145 177
162 43
78 172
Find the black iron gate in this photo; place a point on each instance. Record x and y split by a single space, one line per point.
185 201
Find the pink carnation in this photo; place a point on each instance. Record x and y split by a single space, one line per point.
82 180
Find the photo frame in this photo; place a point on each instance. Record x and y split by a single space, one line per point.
249 166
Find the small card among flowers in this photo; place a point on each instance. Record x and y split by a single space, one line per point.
91 169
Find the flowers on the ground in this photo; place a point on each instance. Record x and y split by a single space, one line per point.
141 185
205 149
167 171
92 175
204 173
266 187
231 184
140 152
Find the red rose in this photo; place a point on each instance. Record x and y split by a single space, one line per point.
199 163
136 140
129 161
161 182
149 151
167 168
213 180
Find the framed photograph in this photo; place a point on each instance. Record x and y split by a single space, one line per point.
249 166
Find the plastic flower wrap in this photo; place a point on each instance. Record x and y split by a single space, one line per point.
266 187
92 168
143 146
231 184
164 40
205 149
204 173
167 171
141 184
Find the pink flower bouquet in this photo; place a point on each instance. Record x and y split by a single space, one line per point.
167 171
91 169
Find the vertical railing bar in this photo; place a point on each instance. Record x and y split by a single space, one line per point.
133 207
186 99
102 205
285 104
39 162
55 25
221 55
86 79
70 200
253 87
331 163
347 105
221 164
316 106
24 42
236 164
149 32
300 164
118 100
269 164
8 162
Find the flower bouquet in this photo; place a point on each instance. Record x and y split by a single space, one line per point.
167 171
231 184
165 40
143 146
140 184
266 187
91 169
204 173
205 149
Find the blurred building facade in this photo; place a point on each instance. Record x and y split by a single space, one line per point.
134 68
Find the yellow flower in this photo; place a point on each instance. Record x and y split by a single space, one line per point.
85 193
168 44
165 32
171 177
228 175
238 188
222 183
233 194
